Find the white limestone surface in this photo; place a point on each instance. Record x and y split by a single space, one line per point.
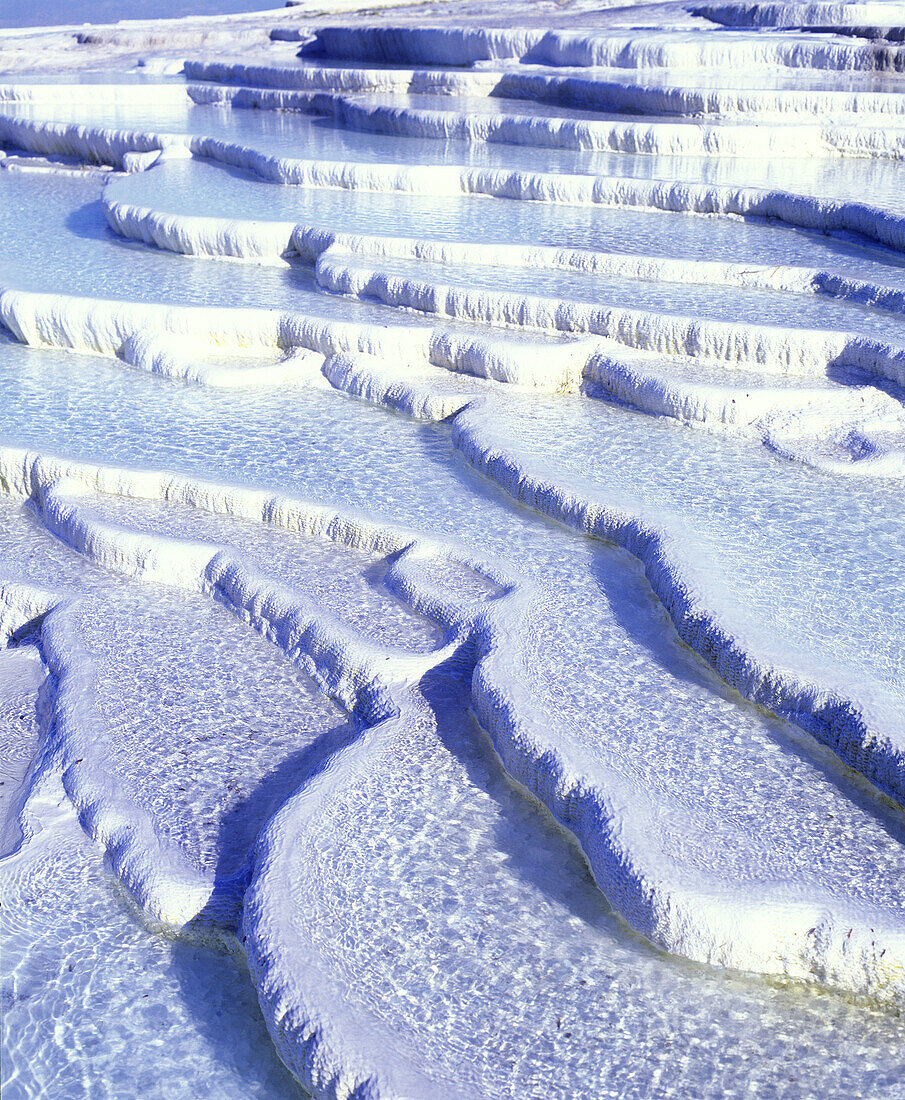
512 715
445 913
424 505
522 122
366 593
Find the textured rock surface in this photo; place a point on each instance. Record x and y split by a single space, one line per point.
450 551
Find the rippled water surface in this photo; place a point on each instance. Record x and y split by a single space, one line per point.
95 1004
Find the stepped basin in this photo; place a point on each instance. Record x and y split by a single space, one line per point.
499 77
156 660
471 876
781 509
816 620
195 189
297 135
100 265
451 571
596 39
453 887
345 581
399 282
796 511
262 300
522 121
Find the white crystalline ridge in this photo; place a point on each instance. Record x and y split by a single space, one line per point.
222 82
795 929
473 351
457 45
343 663
668 365
710 341
134 150
820 15
274 241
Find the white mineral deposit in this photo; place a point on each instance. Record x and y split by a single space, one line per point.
452 549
